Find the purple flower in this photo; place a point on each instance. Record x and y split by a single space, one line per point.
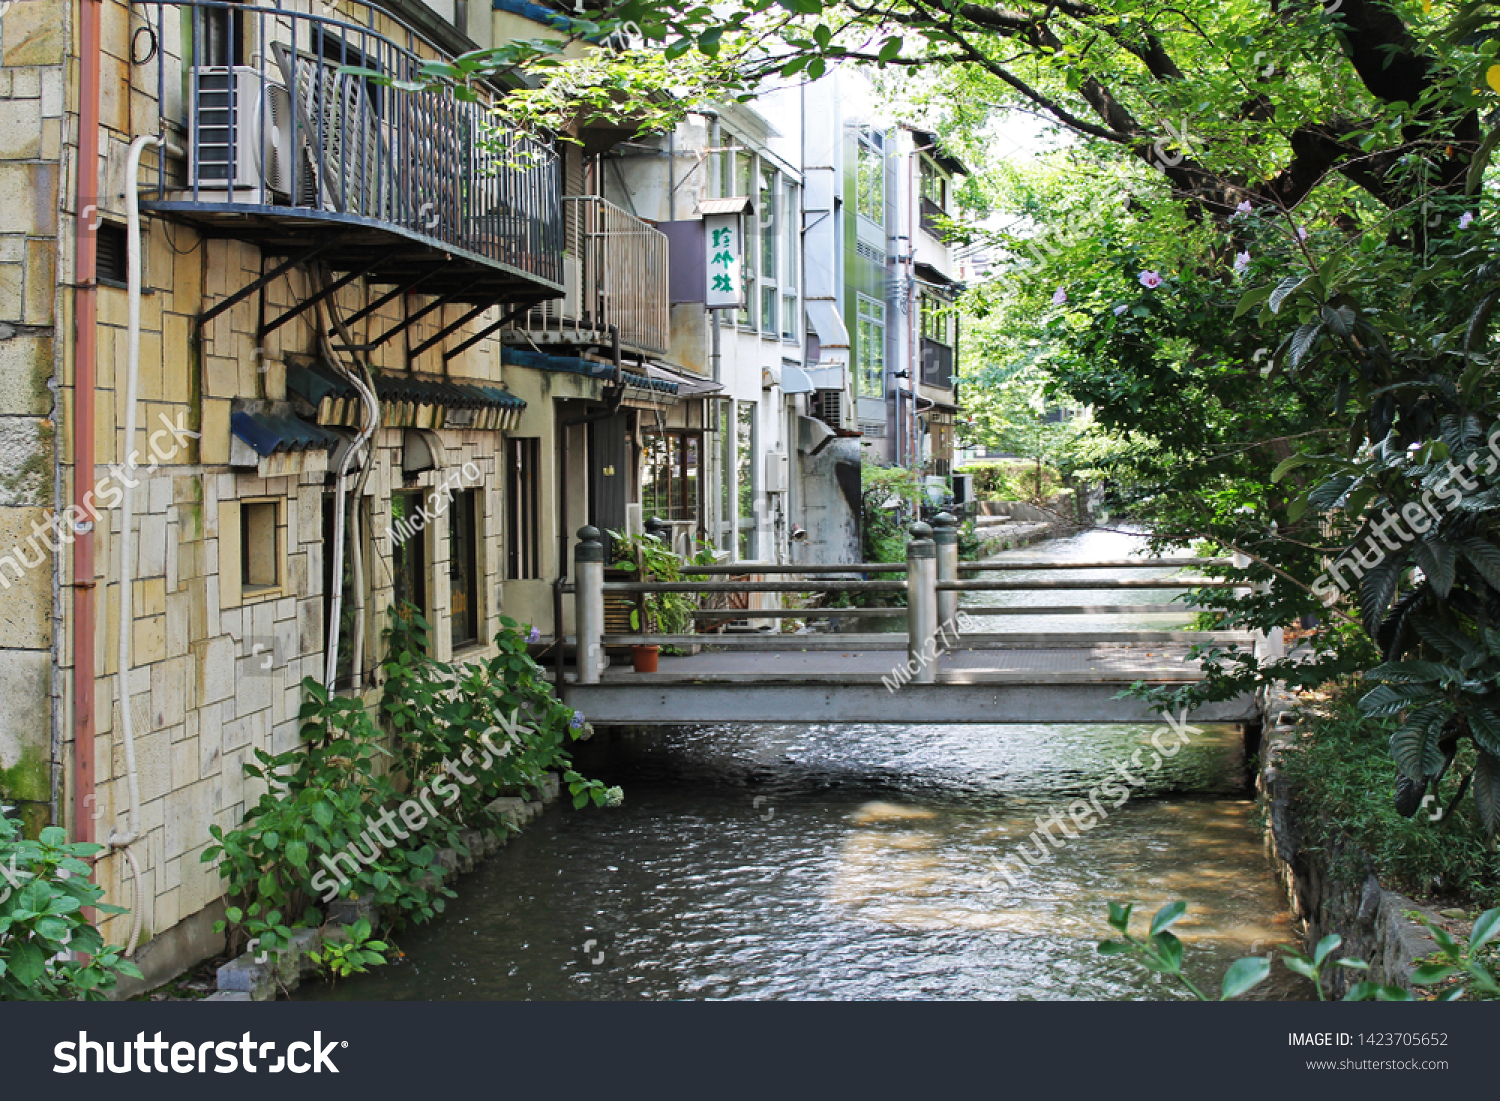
1243 208
535 636
1464 219
1121 308
576 722
1301 233
1059 297
1150 280
1241 260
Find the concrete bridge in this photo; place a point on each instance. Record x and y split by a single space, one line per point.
935 672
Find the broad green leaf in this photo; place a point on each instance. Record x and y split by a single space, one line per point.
1244 974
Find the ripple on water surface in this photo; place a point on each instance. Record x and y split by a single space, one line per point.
851 862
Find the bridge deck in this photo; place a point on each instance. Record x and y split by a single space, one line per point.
1076 684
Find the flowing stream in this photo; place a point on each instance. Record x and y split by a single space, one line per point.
858 861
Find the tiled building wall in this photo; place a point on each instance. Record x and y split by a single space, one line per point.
200 700
33 38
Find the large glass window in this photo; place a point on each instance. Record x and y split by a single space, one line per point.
870 180
671 472
937 324
463 567
870 348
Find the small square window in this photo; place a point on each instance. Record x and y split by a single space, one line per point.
259 559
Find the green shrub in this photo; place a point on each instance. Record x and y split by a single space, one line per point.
1343 776
44 893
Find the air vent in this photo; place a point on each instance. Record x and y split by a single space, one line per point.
870 252
112 260
827 406
872 428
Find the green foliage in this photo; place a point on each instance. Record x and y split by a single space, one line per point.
1343 775
1161 951
1013 480
354 955
1464 968
465 733
655 560
44 892
320 798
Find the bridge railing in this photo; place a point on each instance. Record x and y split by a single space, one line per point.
932 584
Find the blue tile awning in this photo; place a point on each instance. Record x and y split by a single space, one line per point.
272 434
406 400
591 368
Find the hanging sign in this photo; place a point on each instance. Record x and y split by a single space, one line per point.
723 237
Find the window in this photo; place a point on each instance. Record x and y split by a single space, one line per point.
791 317
463 567
409 550
745 479
934 185
345 668
870 348
937 324
770 251
870 179
260 558
523 513
671 469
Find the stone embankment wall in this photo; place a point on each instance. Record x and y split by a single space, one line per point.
1323 894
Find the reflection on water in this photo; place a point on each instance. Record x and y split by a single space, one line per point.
857 862
849 862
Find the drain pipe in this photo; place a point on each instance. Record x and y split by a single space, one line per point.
562 494
85 318
122 842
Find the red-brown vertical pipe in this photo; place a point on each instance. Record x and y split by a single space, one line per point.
85 311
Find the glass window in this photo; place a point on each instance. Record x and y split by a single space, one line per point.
463 567
789 316
768 310
671 473
934 185
936 323
792 220
345 670
745 479
523 515
409 550
870 350
769 228
870 182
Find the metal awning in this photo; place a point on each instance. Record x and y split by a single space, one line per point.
738 205
828 323
688 385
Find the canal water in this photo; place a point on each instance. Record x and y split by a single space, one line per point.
858 861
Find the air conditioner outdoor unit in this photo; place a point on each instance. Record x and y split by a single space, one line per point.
241 126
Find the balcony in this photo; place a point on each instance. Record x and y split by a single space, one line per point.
615 274
416 189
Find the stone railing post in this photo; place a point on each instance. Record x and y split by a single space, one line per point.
945 536
921 604
588 586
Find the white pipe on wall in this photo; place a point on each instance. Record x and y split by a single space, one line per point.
127 515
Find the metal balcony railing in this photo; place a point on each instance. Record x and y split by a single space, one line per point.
616 274
273 128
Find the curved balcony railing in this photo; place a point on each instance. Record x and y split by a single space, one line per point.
274 127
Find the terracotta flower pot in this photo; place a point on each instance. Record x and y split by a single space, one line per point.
644 658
